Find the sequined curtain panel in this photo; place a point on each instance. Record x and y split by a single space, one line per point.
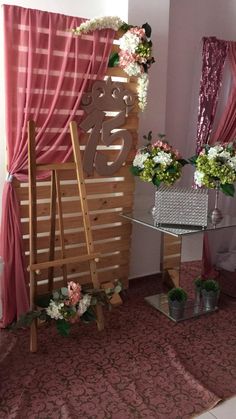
213 55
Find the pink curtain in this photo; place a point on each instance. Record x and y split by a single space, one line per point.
213 59
226 129
47 69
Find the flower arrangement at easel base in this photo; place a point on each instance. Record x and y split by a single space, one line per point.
158 162
68 305
135 55
216 167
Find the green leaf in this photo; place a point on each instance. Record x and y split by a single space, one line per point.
88 316
64 291
56 295
193 159
156 181
171 169
148 29
135 170
113 60
125 27
63 327
228 189
25 320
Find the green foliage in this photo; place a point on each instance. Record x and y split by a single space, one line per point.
88 316
210 285
135 170
228 189
66 306
177 294
113 60
199 282
63 327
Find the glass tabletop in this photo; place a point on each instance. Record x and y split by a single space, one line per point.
192 309
145 218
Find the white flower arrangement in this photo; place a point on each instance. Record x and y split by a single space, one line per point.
106 22
158 162
135 55
216 166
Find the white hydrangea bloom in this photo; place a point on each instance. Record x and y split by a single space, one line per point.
232 162
129 42
54 310
198 178
214 151
163 158
140 159
133 69
84 304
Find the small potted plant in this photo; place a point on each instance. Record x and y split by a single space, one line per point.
210 293
177 298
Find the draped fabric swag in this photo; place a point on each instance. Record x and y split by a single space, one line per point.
47 70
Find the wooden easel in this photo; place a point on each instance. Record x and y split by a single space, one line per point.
92 257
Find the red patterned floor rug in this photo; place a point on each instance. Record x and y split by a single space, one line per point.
142 365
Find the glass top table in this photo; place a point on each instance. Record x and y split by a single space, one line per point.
145 218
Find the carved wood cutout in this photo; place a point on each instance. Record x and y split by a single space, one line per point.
106 96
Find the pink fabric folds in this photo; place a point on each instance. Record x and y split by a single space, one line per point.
47 69
213 56
226 129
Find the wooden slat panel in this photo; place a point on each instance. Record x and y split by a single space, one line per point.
124 202
109 238
104 276
43 192
114 232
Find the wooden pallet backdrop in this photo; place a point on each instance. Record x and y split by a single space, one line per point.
107 198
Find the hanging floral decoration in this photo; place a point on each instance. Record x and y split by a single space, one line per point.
216 165
135 54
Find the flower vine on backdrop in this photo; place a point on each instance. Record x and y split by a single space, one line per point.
69 305
135 55
216 167
158 162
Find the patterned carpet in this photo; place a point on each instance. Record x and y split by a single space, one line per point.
142 365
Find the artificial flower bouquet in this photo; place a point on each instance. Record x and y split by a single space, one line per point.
216 167
69 305
158 162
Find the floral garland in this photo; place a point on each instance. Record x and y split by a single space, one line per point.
106 22
135 55
158 162
216 166
68 305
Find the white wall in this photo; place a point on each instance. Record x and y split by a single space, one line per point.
145 254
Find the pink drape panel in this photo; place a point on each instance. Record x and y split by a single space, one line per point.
226 129
47 70
213 59
213 56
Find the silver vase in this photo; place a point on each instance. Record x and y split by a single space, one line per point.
216 215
